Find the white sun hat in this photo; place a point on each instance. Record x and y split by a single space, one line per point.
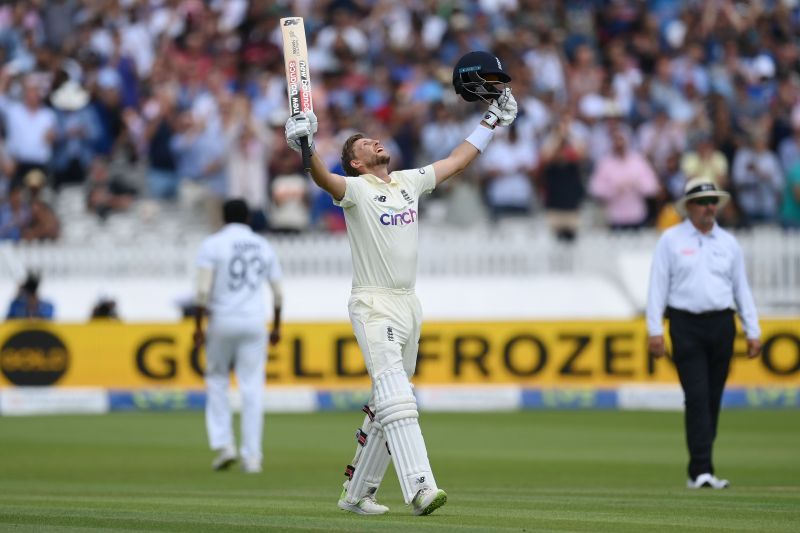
70 96
701 187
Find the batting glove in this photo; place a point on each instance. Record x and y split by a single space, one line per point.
303 124
502 110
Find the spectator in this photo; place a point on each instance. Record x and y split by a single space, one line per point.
77 132
507 166
199 151
790 207
789 148
659 138
246 159
43 224
30 126
623 181
562 158
15 214
108 108
289 207
758 179
27 304
105 308
705 160
161 114
106 194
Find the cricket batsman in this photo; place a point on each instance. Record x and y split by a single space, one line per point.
381 211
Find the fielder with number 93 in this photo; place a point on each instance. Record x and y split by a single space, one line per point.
381 212
233 267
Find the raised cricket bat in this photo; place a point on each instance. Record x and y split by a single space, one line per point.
298 76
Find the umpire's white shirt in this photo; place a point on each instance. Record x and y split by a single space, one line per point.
698 272
242 262
382 226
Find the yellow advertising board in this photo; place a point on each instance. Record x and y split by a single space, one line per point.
534 354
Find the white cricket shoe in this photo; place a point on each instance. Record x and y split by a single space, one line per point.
366 505
250 466
707 481
225 458
428 500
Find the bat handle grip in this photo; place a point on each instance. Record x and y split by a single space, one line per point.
306 151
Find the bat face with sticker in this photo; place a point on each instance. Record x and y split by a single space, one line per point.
298 75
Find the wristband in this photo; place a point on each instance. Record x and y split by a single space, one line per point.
480 137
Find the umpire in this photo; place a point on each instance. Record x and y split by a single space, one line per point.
698 275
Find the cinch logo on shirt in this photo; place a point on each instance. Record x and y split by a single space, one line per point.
398 219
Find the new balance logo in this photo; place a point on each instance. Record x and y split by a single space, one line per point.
421 480
291 22
380 198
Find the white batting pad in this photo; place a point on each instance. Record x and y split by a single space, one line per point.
397 413
369 463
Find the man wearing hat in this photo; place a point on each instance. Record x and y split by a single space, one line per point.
698 276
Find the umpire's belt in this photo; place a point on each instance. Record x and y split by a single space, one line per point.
671 311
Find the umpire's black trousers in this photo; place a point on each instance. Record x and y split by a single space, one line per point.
702 347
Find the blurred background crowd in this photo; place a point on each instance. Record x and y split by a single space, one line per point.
155 106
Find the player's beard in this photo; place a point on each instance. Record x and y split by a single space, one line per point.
381 159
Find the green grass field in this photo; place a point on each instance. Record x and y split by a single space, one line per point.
526 471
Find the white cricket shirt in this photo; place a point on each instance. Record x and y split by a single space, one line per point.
697 272
242 262
382 227
26 138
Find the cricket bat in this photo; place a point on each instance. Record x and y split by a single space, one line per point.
298 76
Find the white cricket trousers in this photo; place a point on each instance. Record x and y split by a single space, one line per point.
387 325
240 346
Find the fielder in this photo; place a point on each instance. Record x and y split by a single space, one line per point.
233 266
381 211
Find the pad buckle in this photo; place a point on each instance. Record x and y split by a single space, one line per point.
369 412
361 437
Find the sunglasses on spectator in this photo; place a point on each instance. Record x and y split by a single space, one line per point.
706 201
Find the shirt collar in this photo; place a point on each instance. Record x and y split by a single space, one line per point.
696 232
375 179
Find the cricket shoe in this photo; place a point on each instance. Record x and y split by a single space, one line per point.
366 505
225 458
428 500
250 466
707 481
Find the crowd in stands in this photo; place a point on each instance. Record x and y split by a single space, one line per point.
183 102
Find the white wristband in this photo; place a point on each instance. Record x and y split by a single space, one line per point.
480 137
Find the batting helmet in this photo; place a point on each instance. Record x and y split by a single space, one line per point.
472 73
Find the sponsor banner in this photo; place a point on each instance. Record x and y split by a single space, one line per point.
758 397
650 397
277 400
51 400
582 398
290 400
469 399
342 400
156 400
21 401
539 355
